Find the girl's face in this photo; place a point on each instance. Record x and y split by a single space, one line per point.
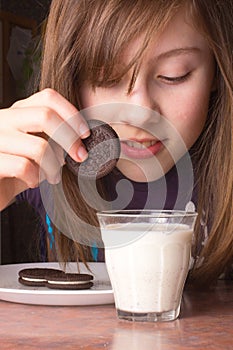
167 108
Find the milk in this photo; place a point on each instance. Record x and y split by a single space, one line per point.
147 264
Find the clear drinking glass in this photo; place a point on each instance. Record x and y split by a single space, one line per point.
147 255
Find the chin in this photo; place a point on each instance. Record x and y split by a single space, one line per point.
147 170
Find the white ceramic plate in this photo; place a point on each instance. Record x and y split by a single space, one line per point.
12 290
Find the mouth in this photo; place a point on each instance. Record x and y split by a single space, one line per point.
139 149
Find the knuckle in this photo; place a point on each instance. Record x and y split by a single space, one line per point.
16 104
26 172
22 168
46 114
39 148
33 182
48 93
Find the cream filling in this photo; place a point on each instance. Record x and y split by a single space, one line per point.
34 279
54 282
68 282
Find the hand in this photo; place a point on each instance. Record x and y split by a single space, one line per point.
34 133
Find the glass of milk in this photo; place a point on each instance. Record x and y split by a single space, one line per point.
147 255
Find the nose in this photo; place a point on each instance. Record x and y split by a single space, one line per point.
139 108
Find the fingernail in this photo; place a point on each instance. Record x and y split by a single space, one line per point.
84 130
82 153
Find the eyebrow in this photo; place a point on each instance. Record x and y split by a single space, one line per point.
178 52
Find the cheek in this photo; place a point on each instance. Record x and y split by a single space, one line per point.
89 97
190 116
190 126
86 97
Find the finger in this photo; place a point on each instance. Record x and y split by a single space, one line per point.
58 150
53 100
24 172
43 119
34 149
10 187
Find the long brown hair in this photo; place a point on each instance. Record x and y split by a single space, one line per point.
83 42
215 153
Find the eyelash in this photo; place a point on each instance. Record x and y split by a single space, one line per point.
174 80
168 80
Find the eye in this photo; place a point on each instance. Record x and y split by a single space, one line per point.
173 80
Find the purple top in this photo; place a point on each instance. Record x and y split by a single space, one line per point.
164 193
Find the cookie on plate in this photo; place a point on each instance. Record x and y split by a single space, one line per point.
70 281
103 146
36 277
54 278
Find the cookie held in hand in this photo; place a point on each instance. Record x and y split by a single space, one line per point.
103 146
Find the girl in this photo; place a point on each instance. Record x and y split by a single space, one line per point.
162 71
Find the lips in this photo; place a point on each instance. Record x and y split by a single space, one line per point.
140 149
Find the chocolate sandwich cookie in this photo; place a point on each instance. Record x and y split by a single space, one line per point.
70 281
36 277
103 146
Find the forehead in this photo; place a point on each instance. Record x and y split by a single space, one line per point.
112 56
180 32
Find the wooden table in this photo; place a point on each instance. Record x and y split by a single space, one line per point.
206 322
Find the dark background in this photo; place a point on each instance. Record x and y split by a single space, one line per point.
34 9
19 223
